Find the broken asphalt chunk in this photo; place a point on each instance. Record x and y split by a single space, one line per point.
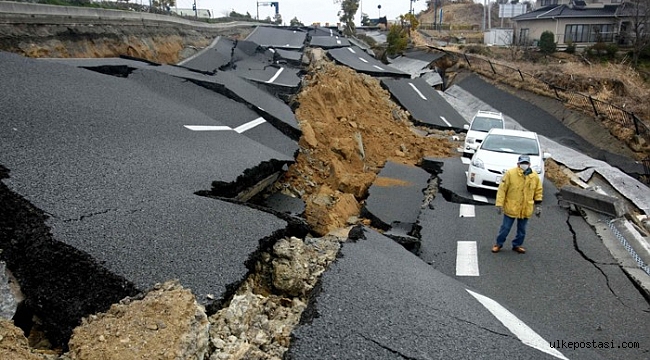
394 202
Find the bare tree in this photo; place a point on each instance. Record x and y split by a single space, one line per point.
638 12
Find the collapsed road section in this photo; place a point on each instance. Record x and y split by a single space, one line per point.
118 156
113 168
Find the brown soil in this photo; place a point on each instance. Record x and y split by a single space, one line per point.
351 127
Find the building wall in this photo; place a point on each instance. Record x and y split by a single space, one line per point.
558 27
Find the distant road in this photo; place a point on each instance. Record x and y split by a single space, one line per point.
16 12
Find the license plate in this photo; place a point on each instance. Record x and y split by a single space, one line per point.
498 179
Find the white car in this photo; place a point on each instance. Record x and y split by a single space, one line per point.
498 152
481 123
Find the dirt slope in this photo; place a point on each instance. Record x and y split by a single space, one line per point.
350 129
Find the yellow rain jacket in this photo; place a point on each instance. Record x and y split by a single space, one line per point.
518 193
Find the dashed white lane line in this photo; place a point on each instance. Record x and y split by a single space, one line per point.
524 333
277 73
467 210
446 122
418 91
207 128
240 129
249 125
480 198
466 258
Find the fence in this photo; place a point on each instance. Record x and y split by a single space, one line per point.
620 122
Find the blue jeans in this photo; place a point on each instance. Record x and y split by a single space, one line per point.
506 225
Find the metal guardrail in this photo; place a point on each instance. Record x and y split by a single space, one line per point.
645 267
621 123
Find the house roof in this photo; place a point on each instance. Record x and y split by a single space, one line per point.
565 11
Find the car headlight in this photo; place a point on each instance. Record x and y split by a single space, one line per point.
470 140
478 163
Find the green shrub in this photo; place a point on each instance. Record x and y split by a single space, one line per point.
570 47
547 43
397 40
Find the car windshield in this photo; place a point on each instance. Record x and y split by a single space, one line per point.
485 124
510 144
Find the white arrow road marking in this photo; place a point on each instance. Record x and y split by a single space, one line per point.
207 128
249 125
466 259
240 129
467 210
516 326
418 91
445 120
277 73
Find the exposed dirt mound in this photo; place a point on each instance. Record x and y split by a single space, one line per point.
350 129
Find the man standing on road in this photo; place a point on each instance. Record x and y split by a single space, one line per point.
519 192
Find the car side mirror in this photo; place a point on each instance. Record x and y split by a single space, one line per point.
466 127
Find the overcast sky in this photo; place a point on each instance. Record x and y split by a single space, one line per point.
307 11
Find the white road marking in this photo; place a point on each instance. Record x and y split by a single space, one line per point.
418 91
364 60
338 42
277 73
351 50
445 120
240 129
378 67
467 210
465 160
480 198
466 259
249 125
524 333
207 128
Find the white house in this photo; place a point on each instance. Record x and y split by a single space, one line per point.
579 22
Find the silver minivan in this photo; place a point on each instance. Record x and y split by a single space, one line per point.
478 128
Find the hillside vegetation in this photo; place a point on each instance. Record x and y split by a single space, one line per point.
609 77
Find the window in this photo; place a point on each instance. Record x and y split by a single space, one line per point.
485 124
548 2
510 144
589 33
523 36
